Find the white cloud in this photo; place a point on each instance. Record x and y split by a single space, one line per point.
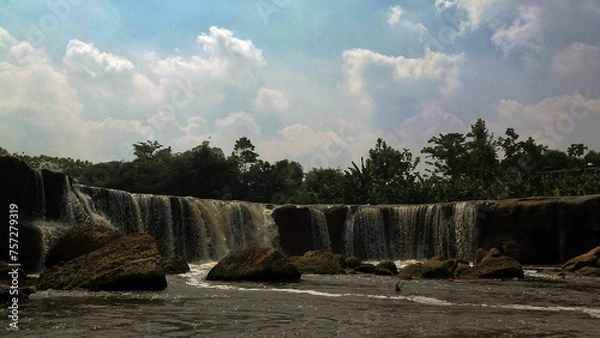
479 11
271 100
576 59
84 57
438 67
306 145
524 33
393 15
415 131
238 124
555 121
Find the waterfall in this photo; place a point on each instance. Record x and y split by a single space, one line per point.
365 234
465 218
193 228
320 231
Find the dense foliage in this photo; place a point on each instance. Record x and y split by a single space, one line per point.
459 166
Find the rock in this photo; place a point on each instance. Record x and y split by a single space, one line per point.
131 262
438 267
255 264
479 254
492 253
352 262
461 268
380 271
174 265
365 268
388 265
590 259
494 265
318 262
589 271
410 271
80 240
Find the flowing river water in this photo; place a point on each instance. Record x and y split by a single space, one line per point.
352 305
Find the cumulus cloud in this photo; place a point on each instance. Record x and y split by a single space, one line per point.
441 68
84 57
238 124
271 100
578 58
393 15
415 131
96 104
302 143
524 33
556 121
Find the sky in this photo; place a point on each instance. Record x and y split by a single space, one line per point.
310 81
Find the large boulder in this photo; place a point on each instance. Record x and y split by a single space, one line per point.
131 262
589 259
351 262
80 240
255 264
366 268
410 271
438 267
388 265
494 265
319 262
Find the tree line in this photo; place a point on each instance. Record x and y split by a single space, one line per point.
458 166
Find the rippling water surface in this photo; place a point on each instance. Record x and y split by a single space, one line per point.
323 306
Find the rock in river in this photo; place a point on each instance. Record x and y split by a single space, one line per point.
255 264
131 262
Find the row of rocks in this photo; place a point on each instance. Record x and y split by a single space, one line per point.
267 264
488 264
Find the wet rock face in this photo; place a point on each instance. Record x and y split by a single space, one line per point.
542 230
587 264
255 264
131 262
80 240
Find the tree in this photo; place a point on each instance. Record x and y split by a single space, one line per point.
149 150
357 183
274 183
243 153
482 157
321 186
449 154
392 173
577 150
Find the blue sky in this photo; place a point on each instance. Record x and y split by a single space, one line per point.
312 81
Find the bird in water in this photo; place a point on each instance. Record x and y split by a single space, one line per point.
399 288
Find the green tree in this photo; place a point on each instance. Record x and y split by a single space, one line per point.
448 154
243 153
321 186
392 171
577 150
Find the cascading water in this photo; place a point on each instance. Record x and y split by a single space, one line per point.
411 231
193 228
320 231
365 234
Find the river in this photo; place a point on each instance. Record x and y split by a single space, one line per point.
323 306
